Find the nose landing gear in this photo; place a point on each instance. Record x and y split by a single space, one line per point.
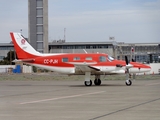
128 82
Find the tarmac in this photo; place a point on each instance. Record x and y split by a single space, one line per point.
72 100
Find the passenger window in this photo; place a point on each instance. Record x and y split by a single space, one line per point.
102 59
76 58
64 59
88 58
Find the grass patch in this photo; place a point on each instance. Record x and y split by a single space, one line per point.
57 77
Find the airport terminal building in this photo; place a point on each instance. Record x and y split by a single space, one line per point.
141 52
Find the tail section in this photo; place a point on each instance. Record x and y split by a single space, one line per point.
23 49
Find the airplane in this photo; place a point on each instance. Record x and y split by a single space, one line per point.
86 64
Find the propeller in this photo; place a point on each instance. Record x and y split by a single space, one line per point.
127 63
133 60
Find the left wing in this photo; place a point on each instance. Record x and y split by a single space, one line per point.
84 65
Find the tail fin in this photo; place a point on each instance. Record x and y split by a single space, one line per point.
23 49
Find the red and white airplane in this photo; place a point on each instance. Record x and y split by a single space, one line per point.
76 63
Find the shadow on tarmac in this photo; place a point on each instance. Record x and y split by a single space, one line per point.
109 85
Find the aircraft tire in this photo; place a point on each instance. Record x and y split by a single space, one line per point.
88 83
128 82
97 82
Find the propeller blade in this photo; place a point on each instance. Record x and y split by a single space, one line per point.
126 59
133 60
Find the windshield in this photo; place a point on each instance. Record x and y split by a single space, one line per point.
110 58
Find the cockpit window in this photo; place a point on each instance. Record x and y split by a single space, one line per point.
102 59
110 58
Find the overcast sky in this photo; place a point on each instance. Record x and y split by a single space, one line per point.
131 21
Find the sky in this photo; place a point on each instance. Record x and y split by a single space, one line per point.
129 21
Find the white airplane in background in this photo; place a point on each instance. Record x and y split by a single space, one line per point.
76 63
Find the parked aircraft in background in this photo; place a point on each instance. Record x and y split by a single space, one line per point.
86 64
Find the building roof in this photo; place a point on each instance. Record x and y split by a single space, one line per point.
77 43
101 43
6 44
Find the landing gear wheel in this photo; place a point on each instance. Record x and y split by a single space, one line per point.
128 82
97 82
88 83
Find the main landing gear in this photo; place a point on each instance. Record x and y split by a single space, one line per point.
97 80
88 82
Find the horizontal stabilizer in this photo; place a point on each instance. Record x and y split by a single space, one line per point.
24 60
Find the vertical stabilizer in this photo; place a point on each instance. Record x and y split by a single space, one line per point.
23 49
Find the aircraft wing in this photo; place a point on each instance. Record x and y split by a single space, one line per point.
24 60
85 66
94 68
